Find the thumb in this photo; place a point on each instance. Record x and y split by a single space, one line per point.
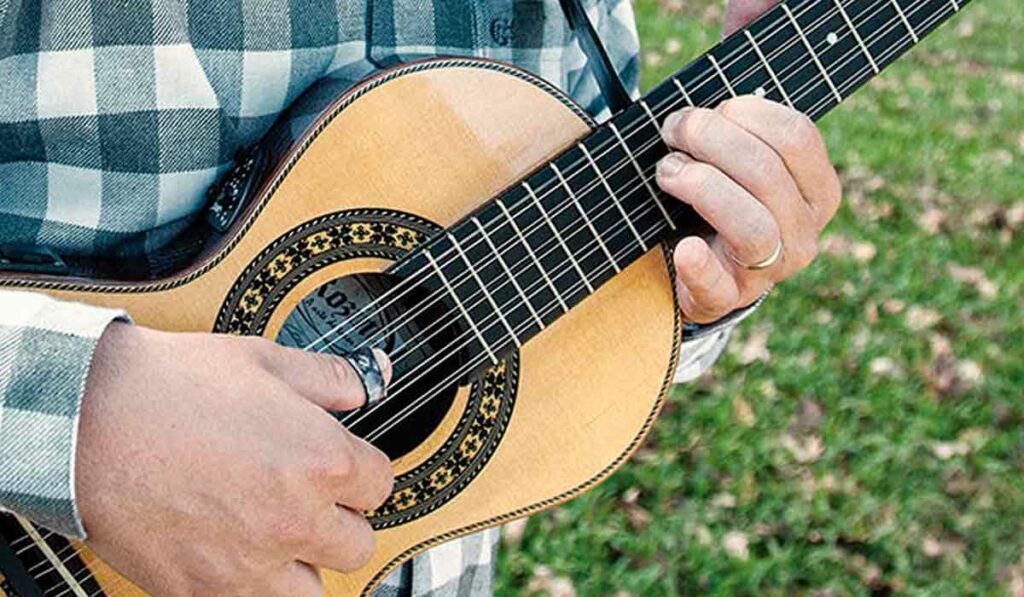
740 13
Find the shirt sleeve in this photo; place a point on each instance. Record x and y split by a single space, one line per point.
46 348
703 344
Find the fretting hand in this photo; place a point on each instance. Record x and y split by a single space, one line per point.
759 174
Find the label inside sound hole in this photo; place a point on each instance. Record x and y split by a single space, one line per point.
377 310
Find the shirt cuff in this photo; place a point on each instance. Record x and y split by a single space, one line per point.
704 343
46 349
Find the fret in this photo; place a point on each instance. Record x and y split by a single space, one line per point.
508 272
533 256
650 115
643 178
721 74
768 67
583 214
856 35
922 18
483 288
462 308
956 7
558 237
889 31
682 91
810 51
906 23
615 199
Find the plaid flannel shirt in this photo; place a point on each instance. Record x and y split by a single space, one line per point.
116 116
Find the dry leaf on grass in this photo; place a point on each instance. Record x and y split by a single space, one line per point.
743 413
805 449
975 277
886 367
544 581
921 318
512 532
736 545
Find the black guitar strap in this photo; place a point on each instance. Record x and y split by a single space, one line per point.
608 80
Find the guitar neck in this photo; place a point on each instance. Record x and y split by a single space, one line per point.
580 219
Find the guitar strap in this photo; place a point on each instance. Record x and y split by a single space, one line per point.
601 66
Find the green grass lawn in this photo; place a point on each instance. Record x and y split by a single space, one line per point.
865 432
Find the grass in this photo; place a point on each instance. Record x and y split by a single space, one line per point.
865 432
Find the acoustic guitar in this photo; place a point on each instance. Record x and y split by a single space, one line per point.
509 254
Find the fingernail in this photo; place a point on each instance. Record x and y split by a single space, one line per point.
384 362
670 125
670 165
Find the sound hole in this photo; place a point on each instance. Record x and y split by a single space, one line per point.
377 310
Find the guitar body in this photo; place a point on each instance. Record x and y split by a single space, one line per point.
413 150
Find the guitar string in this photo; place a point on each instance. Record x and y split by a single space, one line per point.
409 315
360 415
825 102
549 186
492 258
434 392
755 68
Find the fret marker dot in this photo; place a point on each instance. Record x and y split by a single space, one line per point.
832 38
760 92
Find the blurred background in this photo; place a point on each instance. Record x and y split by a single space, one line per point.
865 432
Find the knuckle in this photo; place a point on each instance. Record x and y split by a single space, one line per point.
804 254
799 132
734 107
760 239
381 471
329 468
258 347
697 125
291 529
694 178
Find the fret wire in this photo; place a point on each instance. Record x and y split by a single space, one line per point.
462 308
529 251
956 5
682 90
903 17
768 67
721 75
558 237
611 193
583 214
483 288
647 184
508 272
856 35
810 50
647 109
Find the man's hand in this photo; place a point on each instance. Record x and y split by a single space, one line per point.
209 464
759 174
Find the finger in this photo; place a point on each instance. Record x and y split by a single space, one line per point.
366 477
707 291
344 542
740 13
743 223
297 578
710 137
799 143
329 381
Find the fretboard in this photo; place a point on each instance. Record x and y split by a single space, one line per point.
534 252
